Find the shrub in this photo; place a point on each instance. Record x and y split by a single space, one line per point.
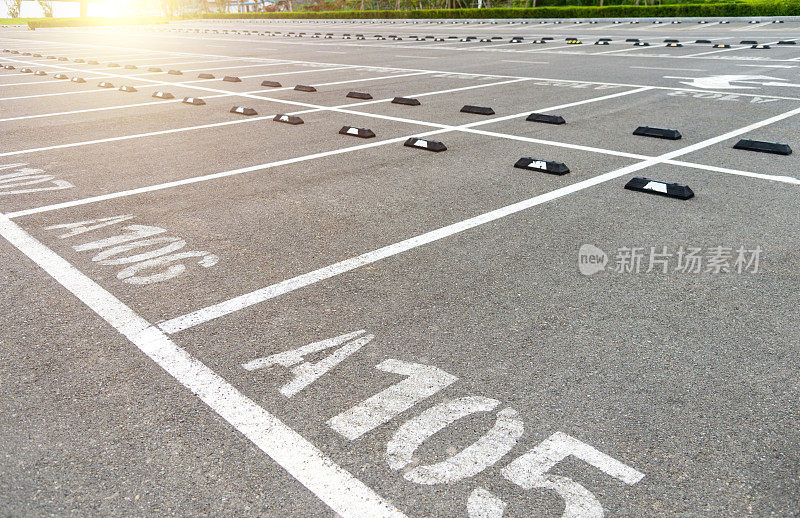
92 22
696 9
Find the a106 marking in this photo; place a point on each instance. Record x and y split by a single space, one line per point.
26 180
528 471
145 254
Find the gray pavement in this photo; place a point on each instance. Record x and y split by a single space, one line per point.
157 256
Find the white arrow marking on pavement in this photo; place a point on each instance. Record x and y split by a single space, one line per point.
724 81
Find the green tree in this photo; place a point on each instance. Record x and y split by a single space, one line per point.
47 8
14 7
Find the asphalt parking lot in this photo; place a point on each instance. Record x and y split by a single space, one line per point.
207 312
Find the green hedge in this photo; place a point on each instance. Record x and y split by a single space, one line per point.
41 23
409 5
714 8
18 21
729 9
596 3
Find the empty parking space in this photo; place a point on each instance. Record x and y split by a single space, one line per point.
557 347
332 209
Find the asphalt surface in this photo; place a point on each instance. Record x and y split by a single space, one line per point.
154 251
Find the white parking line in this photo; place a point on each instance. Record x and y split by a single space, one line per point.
151 63
646 27
733 48
675 69
604 27
141 54
337 488
629 49
737 172
750 27
526 62
482 75
347 108
186 84
133 75
79 92
416 57
544 49
294 42
700 26
187 181
590 149
246 300
106 108
42 61
765 66
250 119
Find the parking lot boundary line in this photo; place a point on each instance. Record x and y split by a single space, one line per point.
336 487
246 300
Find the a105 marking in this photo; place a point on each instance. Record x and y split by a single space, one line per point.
528 471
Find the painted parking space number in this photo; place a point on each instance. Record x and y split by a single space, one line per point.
143 253
418 382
